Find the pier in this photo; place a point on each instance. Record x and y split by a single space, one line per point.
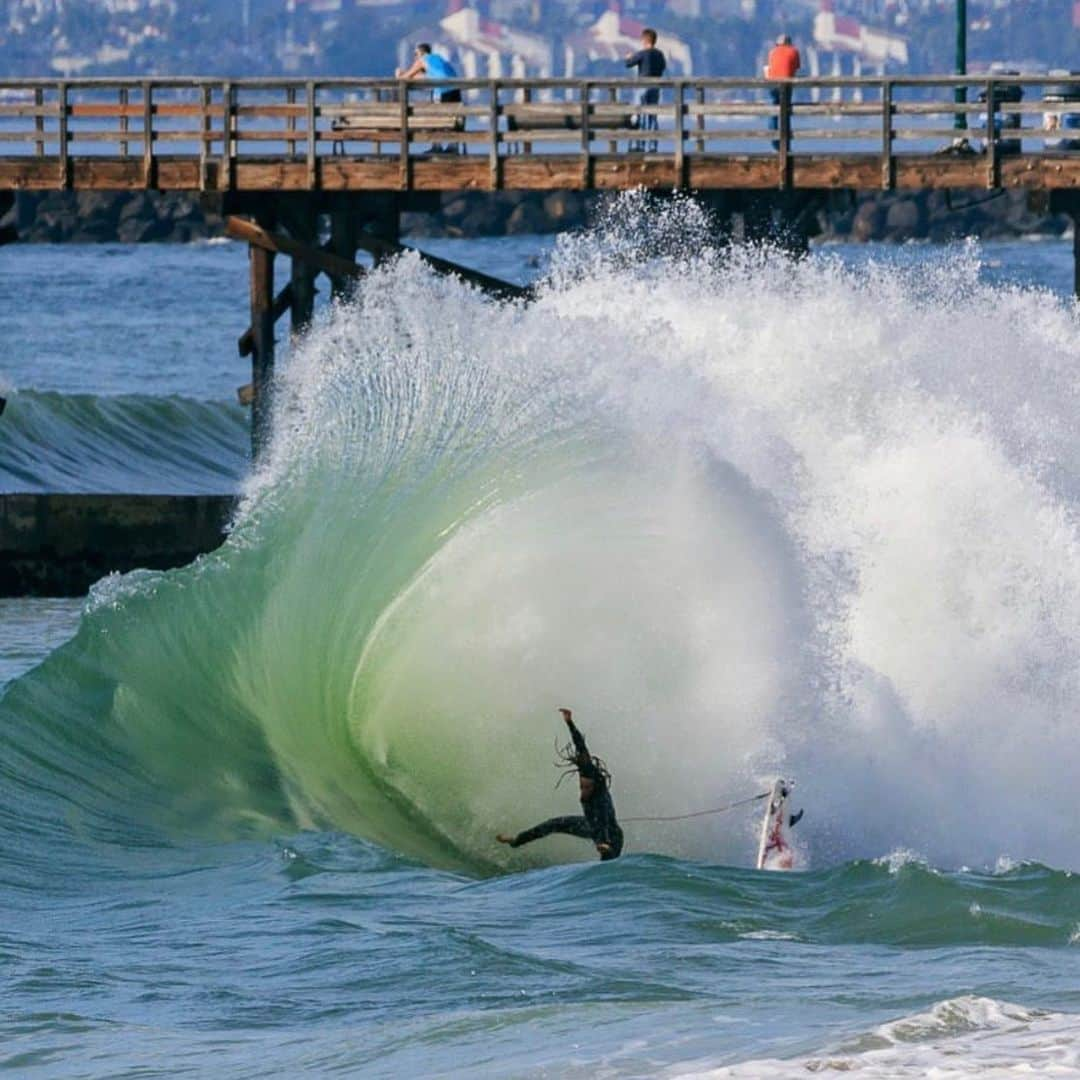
315 171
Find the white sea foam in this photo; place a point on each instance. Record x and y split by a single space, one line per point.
960 1037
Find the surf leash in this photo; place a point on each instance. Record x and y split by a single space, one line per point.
704 813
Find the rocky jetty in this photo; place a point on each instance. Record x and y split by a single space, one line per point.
90 217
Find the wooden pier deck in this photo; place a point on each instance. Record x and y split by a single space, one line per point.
372 135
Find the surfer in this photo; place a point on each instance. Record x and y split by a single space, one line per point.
597 819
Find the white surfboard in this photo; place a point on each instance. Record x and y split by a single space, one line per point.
775 851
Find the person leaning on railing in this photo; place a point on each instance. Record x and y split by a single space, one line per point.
784 63
430 65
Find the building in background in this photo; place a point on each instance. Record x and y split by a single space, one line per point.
483 48
843 41
614 35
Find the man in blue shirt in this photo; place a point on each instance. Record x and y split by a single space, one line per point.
430 65
651 64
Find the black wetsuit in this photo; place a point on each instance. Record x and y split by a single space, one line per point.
596 822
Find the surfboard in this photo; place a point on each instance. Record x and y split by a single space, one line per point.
775 851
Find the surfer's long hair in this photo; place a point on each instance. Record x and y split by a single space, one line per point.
566 761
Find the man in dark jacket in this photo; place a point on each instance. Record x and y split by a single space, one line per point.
651 64
597 820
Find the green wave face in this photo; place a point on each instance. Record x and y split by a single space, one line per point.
739 515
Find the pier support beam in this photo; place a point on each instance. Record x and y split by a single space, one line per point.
1068 202
262 339
343 243
1076 253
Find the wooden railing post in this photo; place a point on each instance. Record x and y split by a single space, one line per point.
494 179
526 98
886 136
613 99
125 123
312 137
699 97
403 103
148 135
290 122
62 136
991 137
39 122
204 136
228 137
586 137
679 135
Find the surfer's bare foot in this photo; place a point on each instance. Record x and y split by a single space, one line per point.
503 838
603 848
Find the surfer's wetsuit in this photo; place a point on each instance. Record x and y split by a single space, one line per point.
596 822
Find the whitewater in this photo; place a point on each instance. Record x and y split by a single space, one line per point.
748 517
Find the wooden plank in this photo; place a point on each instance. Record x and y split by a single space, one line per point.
282 303
28 111
277 243
542 172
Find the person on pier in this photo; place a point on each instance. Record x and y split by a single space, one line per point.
430 65
597 820
784 63
651 64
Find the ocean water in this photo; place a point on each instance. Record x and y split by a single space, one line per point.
749 518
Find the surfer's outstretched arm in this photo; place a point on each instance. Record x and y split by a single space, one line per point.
579 739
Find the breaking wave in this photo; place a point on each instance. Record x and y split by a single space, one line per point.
747 516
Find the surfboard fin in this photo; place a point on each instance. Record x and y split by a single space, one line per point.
795 819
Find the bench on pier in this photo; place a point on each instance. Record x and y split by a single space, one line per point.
381 122
541 120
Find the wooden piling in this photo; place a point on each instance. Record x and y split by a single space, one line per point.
343 244
262 354
1076 253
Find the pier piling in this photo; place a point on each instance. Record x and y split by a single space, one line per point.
262 331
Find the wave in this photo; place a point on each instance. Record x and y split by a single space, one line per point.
746 516
958 1037
130 443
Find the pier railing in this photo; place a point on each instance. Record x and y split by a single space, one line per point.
307 134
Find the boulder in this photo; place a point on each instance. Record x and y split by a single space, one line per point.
904 220
868 221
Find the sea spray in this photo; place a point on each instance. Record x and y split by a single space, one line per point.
746 516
